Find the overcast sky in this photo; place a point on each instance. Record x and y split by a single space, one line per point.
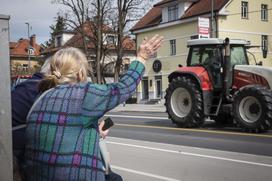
39 13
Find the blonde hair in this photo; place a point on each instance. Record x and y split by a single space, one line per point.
68 65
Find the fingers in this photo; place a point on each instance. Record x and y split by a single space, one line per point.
105 133
157 43
153 39
149 47
156 47
101 125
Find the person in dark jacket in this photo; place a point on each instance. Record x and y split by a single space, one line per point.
22 98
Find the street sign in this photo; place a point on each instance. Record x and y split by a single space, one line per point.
203 27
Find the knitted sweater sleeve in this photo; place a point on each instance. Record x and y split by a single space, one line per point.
101 98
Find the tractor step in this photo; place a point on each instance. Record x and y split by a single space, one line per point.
215 103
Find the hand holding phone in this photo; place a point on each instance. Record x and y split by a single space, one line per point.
107 123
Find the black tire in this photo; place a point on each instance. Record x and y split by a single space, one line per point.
252 109
186 117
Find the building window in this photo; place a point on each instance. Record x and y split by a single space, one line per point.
264 12
173 47
173 13
58 39
87 39
25 67
31 51
110 39
244 10
264 42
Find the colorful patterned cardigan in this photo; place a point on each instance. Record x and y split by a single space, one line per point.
62 128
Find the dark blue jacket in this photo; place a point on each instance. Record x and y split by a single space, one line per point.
22 99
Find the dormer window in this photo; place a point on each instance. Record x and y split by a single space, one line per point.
58 41
31 51
110 39
173 13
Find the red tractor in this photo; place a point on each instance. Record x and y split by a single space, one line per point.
219 83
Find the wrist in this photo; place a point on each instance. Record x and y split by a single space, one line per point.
141 59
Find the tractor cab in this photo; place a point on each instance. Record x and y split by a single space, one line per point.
211 53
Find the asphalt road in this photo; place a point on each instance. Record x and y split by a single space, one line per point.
147 146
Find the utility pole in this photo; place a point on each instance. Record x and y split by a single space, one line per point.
28 52
212 20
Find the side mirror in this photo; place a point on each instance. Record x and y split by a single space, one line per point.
260 63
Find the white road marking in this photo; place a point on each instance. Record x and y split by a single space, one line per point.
144 117
143 173
191 154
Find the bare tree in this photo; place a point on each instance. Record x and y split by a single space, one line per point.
76 15
90 19
127 11
101 10
87 17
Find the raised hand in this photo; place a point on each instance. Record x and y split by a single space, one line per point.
149 47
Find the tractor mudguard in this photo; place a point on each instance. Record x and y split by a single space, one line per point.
199 75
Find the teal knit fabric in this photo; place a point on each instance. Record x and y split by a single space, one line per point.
62 128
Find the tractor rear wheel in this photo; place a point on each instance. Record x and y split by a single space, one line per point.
184 103
252 108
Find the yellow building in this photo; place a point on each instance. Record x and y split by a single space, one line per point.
178 21
24 56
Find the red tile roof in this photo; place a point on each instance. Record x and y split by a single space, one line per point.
203 7
154 16
19 49
77 40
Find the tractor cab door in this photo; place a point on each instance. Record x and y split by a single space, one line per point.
238 56
209 57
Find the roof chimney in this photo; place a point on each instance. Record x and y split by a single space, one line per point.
33 40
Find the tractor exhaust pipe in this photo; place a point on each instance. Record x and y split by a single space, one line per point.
227 69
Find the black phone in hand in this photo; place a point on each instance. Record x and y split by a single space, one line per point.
107 123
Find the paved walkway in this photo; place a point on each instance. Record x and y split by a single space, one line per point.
159 107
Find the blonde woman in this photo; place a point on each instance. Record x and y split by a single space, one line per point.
62 126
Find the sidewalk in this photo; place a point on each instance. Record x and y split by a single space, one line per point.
159 107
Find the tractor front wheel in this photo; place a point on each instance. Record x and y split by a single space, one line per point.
252 109
184 103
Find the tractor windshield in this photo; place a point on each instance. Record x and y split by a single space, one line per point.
204 56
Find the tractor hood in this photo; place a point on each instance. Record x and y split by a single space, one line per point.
264 72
